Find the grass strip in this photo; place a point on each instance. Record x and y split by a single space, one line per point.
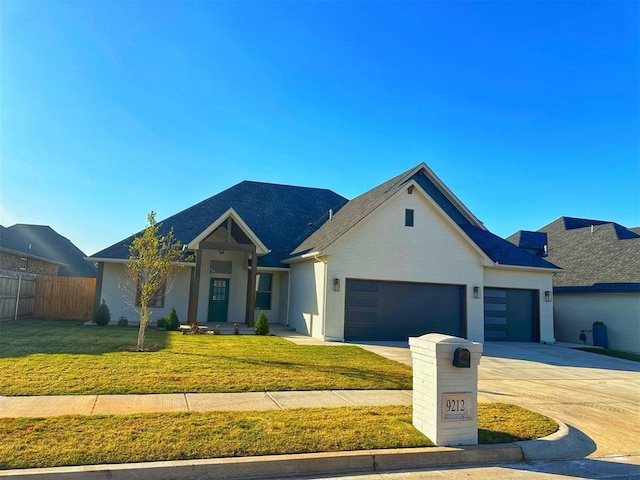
612 353
89 440
39 357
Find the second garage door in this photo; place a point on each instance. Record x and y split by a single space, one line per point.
377 310
511 315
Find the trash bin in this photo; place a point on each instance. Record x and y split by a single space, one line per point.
600 335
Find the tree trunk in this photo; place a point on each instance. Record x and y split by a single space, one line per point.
144 315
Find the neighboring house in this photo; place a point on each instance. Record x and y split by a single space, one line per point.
41 250
600 280
402 259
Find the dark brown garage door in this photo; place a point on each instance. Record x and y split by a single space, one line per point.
376 310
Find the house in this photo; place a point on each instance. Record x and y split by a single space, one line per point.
599 281
402 259
40 250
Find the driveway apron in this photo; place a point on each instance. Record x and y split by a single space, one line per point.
596 394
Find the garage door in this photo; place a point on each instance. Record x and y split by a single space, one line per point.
511 315
376 310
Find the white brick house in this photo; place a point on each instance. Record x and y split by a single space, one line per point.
403 259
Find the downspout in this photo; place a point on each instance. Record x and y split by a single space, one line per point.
288 294
324 295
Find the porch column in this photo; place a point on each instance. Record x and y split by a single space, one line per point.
251 288
194 288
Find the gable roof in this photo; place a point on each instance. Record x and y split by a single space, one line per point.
592 252
281 216
41 241
497 249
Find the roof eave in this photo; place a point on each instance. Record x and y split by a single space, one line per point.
126 260
33 257
524 267
305 256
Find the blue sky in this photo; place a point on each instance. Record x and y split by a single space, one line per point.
528 111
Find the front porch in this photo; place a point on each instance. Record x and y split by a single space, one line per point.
227 285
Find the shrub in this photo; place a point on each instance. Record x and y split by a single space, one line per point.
103 316
162 323
172 323
262 325
122 321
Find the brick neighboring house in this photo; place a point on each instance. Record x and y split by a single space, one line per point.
40 250
599 281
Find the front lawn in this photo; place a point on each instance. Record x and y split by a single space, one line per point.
87 440
46 357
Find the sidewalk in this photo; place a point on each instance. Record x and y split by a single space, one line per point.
51 406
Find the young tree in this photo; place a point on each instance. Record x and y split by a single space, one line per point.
154 263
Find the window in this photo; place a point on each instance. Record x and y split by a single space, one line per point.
263 291
408 217
23 263
157 301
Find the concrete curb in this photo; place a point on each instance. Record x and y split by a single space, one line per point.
278 466
567 442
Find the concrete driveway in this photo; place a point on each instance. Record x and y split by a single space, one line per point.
596 394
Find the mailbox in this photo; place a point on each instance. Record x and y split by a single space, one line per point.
462 358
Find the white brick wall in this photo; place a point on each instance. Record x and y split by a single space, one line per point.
619 311
307 297
177 297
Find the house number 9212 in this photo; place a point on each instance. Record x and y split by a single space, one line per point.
454 406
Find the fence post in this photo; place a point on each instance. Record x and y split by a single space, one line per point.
18 297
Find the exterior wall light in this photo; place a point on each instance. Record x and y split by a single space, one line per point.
476 292
336 284
547 296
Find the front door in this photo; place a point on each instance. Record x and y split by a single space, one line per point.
218 300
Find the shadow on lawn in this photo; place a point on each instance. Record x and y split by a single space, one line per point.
19 338
378 378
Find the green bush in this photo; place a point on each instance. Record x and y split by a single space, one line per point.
262 325
162 323
122 321
172 323
103 316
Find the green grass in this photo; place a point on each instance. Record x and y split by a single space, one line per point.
613 353
39 357
87 440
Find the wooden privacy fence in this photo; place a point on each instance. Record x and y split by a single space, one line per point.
45 297
17 294
64 297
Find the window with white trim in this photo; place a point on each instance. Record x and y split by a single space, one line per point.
264 282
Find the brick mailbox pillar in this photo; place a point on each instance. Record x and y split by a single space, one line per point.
445 397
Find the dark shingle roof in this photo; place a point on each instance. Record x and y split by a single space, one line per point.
593 252
503 252
532 240
44 242
280 215
496 248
